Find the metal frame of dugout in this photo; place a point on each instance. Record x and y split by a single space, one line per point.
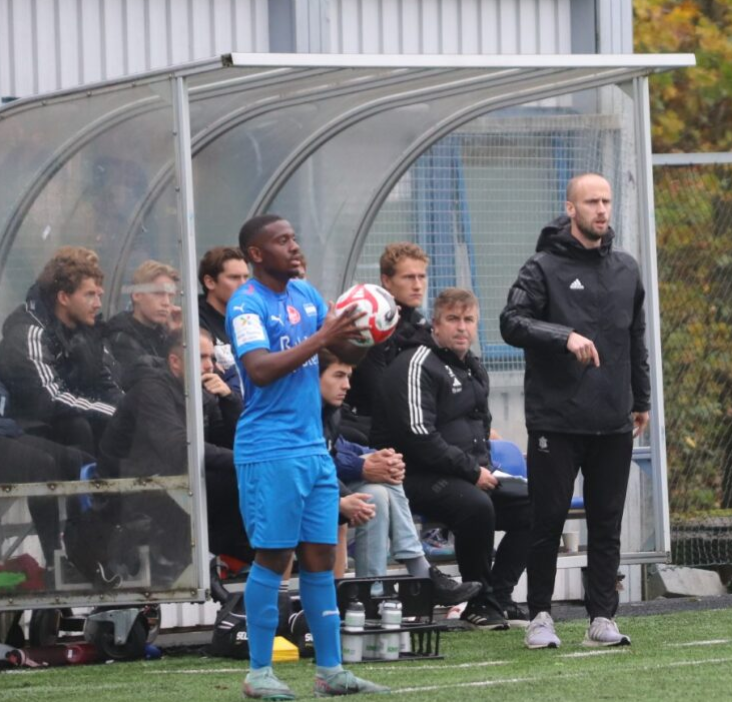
327 138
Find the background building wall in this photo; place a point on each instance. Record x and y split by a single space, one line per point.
48 45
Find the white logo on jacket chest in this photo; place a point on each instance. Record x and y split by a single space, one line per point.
457 386
576 285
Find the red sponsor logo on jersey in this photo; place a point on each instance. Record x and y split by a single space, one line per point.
293 315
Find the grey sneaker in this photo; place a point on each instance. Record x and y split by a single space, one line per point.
263 684
604 632
345 683
540 633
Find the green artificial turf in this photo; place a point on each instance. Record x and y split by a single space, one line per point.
686 656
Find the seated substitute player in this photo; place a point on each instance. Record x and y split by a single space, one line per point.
52 356
148 437
221 272
138 338
379 474
287 481
433 407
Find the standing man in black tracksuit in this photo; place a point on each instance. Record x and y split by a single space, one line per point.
577 311
433 408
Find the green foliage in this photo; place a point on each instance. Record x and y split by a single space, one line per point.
695 286
691 109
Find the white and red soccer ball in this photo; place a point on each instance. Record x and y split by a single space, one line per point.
382 313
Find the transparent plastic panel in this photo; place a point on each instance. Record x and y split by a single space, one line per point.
95 496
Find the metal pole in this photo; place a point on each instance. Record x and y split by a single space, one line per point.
647 222
194 394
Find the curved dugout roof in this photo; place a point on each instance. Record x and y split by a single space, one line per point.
320 139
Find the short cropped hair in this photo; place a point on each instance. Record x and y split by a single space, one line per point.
453 297
66 271
175 343
394 253
148 271
326 359
251 228
213 261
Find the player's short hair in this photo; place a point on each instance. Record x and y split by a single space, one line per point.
326 359
453 297
175 342
398 251
66 271
213 261
252 227
149 271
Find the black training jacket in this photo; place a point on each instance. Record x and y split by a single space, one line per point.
135 346
147 436
597 293
52 371
433 408
368 374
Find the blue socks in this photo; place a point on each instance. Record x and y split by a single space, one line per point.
260 598
318 597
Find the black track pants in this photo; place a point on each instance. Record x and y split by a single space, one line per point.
553 462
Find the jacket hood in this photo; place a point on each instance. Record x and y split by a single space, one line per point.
556 237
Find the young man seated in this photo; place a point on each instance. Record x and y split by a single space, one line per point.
379 474
52 358
148 437
138 338
221 272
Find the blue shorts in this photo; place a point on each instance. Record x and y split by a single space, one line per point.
289 501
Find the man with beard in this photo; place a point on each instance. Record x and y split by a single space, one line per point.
576 309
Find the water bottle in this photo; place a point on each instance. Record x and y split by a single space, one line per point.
353 642
391 619
371 641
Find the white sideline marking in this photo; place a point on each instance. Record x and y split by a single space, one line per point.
491 683
602 652
241 670
453 666
711 642
83 690
481 664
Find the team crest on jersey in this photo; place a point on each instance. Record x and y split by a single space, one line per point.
293 315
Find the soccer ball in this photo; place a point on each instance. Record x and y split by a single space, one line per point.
382 313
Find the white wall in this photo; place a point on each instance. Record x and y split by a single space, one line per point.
48 45
450 26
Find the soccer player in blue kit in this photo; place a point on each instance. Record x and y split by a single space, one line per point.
288 491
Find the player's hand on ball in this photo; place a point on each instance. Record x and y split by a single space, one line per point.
380 312
342 327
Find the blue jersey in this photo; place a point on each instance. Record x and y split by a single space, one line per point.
282 419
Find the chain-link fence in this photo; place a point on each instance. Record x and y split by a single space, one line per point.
694 225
